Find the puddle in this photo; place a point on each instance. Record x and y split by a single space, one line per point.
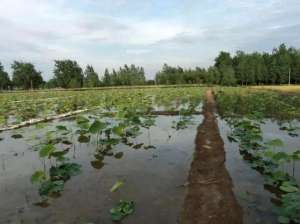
153 179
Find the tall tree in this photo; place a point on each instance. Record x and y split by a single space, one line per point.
223 59
228 76
91 78
106 78
25 76
224 63
68 74
127 75
4 79
240 63
295 65
283 63
212 76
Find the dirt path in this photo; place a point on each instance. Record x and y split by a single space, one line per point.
210 198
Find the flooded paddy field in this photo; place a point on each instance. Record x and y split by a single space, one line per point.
153 178
136 156
249 185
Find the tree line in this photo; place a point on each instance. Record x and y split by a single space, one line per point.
68 74
280 66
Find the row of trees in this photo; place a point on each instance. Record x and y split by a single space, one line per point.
68 74
279 67
125 76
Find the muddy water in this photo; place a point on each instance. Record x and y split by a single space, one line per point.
248 183
153 179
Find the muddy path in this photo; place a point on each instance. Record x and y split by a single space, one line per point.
210 198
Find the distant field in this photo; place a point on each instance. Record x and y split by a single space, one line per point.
103 88
283 88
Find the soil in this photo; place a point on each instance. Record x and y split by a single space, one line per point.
210 198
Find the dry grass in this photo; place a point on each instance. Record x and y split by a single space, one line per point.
282 88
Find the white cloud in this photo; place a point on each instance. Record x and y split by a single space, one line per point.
87 30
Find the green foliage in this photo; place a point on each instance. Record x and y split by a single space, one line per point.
4 79
290 209
119 130
121 210
256 104
268 162
128 75
49 187
46 150
91 78
58 176
275 143
64 171
25 76
243 68
38 176
244 110
68 74
96 127
61 128
289 187
227 76
119 120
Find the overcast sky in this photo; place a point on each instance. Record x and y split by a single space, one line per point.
110 33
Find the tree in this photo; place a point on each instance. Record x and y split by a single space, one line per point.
25 76
283 63
223 59
171 75
106 78
295 65
4 79
224 64
91 78
127 75
52 83
228 77
68 74
212 76
240 63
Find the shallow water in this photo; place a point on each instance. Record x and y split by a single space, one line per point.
271 131
153 179
248 184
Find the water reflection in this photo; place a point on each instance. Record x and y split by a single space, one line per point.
152 174
258 199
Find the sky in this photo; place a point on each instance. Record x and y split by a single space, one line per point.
111 33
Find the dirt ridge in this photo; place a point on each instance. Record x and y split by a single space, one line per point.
210 198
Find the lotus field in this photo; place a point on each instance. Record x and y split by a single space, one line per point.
150 155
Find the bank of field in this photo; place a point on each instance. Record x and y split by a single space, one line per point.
142 155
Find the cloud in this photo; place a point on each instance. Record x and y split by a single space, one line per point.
110 33
137 51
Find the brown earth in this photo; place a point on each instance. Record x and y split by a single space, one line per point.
210 198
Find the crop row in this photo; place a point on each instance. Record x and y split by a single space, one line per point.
245 111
